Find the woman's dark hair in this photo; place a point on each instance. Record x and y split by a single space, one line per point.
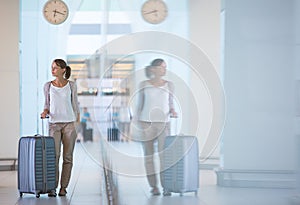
61 63
148 72
155 62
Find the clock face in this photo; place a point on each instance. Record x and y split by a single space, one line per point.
154 11
56 11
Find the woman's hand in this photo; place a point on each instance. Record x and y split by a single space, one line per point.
44 114
173 114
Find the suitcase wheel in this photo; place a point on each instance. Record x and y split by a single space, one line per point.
21 194
37 195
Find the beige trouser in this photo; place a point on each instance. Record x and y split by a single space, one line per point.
65 134
155 131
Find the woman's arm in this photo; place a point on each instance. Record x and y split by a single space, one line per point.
75 100
141 99
171 99
47 100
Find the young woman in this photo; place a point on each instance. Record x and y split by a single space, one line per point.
61 105
154 109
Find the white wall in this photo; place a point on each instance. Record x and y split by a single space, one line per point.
9 78
259 144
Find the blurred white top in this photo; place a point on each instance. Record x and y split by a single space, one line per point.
155 104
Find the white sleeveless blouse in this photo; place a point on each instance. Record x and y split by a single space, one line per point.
156 104
61 109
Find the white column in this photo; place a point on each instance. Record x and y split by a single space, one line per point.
204 32
259 144
296 61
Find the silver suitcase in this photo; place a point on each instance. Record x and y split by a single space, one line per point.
181 165
36 165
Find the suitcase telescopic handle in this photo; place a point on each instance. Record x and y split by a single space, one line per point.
47 117
176 123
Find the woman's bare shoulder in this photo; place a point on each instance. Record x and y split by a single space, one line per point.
144 83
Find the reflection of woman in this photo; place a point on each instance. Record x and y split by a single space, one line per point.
61 105
154 107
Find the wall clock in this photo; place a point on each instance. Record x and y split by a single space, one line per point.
154 11
55 11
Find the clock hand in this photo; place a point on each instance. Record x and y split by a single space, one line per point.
60 13
54 11
150 12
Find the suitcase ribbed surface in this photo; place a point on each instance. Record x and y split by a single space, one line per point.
112 134
45 175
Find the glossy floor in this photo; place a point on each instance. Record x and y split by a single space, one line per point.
87 187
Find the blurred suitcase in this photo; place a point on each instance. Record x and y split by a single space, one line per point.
36 165
88 135
181 165
112 134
